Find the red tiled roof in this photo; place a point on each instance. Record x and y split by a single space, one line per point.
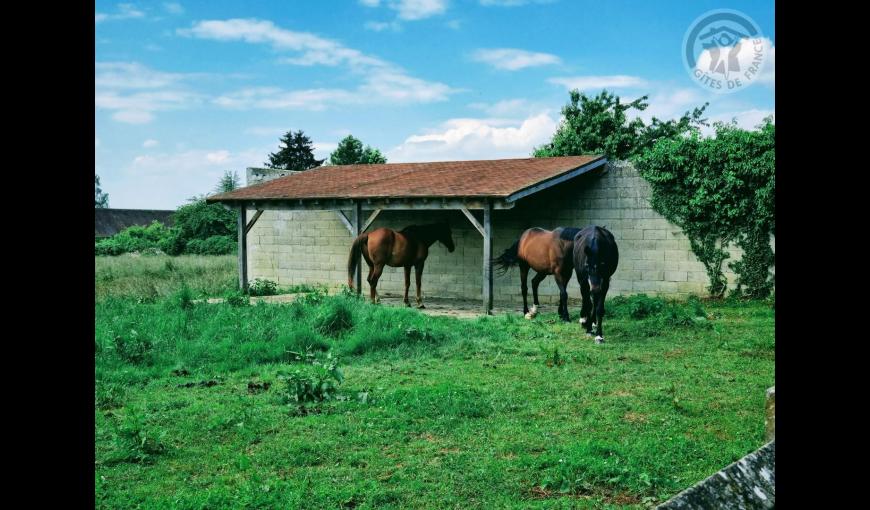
497 178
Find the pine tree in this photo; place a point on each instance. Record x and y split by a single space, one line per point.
296 153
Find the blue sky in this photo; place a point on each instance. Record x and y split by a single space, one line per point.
187 90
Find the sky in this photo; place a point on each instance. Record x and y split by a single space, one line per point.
184 91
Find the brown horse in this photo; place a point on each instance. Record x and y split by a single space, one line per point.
547 252
405 248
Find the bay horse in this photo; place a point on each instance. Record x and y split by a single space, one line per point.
595 259
548 253
405 248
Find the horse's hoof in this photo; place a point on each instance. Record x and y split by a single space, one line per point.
421 306
582 321
589 334
599 339
529 316
407 304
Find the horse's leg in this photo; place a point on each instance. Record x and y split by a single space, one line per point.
599 311
371 282
418 273
538 278
376 275
586 308
562 283
407 284
524 286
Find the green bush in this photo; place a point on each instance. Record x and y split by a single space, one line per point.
214 245
262 287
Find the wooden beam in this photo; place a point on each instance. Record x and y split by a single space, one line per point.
487 259
243 250
473 220
250 224
357 230
345 220
392 204
371 219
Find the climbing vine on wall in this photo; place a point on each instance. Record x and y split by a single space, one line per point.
720 190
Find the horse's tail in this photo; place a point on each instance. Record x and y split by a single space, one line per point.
508 258
353 259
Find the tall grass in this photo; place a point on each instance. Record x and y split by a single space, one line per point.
150 277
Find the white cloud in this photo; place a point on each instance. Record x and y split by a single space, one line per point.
173 7
510 108
513 59
417 9
322 150
125 11
381 80
380 88
380 26
406 10
459 139
134 92
313 49
133 116
667 104
150 143
131 75
512 3
598 82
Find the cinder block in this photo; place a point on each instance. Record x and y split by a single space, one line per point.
676 276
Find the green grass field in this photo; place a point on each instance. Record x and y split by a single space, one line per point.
194 406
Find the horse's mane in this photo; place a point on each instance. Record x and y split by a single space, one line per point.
568 233
419 231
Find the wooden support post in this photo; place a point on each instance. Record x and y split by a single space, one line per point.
487 258
357 230
243 249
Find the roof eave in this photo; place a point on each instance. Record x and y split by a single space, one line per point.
559 179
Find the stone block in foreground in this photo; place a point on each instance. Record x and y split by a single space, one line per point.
744 485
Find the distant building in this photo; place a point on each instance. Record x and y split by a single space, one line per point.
108 222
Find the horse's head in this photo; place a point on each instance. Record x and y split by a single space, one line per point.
445 236
594 264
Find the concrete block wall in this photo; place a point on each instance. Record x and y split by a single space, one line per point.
655 257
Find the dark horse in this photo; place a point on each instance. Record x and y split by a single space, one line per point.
547 252
405 248
595 260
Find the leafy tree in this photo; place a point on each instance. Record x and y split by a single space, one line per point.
350 151
228 182
600 125
720 190
101 200
297 153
